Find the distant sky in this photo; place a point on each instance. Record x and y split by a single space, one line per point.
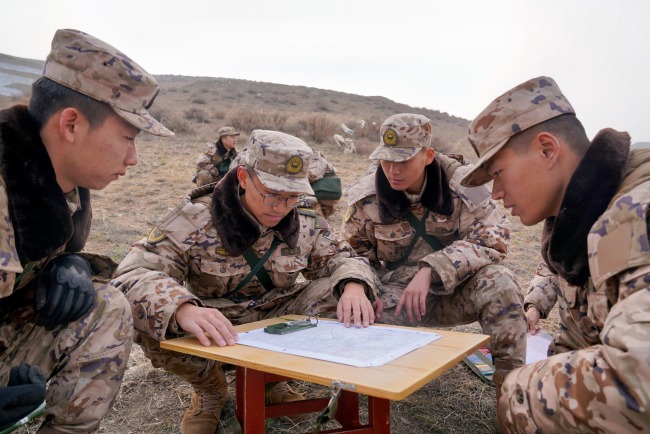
454 56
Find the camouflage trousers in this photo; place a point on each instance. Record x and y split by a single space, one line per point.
205 176
492 297
314 298
84 361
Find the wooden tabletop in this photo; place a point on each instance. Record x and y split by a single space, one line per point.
395 380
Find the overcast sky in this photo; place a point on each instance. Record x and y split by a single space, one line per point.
454 56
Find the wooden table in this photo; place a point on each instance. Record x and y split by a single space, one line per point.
393 381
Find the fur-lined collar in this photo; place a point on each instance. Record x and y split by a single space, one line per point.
40 215
591 188
237 230
394 205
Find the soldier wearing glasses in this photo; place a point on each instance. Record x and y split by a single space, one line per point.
232 254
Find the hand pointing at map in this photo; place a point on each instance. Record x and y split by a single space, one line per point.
355 304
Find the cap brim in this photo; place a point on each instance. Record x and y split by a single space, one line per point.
144 123
478 175
394 154
287 184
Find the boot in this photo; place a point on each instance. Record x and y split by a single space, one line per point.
208 398
280 393
501 369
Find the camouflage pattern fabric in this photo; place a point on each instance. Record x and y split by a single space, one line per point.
467 285
94 68
84 361
542 290
312 298
86 356
319 167
523 106
183 260
212 164
402 136
598 381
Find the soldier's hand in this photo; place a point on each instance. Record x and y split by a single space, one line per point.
354 303
64 291
23 394
532 316
201 320
415 295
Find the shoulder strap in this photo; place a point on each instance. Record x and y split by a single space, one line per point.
257 268
420 231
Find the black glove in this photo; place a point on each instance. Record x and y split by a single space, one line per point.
64 292
24 393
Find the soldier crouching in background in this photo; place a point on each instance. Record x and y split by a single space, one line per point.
215 160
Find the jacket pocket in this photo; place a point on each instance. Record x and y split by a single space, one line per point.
393 240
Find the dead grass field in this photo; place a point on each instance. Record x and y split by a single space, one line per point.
152 401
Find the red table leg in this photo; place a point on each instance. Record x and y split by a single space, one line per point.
252 411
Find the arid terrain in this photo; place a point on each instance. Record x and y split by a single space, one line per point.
153 401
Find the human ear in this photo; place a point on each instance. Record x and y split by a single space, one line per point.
549 147
242 176
429 155
69 123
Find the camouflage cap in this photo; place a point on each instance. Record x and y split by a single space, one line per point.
92 67
227 131
280 161
402 136
532 102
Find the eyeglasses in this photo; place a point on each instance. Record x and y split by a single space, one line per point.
274 199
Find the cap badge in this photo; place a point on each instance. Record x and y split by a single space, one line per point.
390 137
294 165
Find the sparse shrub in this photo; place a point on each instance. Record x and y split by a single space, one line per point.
320 128
244 120
219 114
365 146
279 121
323 107
198 101
171 120
198 115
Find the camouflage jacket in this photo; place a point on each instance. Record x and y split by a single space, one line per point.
467 223
216 159
35 220
194 254
598 248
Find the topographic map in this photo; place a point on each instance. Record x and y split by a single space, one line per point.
332 341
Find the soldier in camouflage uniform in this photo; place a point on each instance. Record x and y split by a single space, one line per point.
433 243
323 180
216 158
60 321
193 273
593 196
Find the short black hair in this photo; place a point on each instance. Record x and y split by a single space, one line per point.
567 126
49 96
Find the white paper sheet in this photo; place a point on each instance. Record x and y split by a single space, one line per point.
332 341
537 346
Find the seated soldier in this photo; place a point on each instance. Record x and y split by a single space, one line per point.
434 244
215 160
193 273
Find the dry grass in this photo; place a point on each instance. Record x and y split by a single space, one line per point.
152 401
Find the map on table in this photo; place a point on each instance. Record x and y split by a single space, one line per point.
333 342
